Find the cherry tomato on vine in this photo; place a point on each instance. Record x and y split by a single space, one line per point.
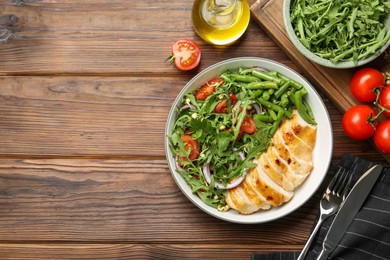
185 54
364 81
384 99
356 123
190 143
382 136
208 88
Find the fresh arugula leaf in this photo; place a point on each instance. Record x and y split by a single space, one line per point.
341 30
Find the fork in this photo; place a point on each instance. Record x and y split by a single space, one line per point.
330 203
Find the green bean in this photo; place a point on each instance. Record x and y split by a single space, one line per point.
243 78
284 102
272 114
243 71
262 85
308 109
292 98
289 112
277 122
265 76
298 99
264 118
274 107
257 93
283 89
266 95
293 83
273 73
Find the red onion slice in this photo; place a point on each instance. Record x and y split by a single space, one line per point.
177 164
241 155
260 68
206 173
185 107
257 108
234 183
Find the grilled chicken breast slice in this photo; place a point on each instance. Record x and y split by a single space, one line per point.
283 167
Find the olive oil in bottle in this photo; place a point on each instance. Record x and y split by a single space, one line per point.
220 22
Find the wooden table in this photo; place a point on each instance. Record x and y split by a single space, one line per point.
84 97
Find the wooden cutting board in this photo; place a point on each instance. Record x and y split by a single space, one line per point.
332 82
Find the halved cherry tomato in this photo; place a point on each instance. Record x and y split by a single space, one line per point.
382 136
248 125
384 99
356 122
208 88
186 54
192 144
364 81
221 108
240 135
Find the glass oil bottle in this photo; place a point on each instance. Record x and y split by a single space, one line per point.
220 22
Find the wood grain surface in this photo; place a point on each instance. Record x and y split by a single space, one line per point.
84 98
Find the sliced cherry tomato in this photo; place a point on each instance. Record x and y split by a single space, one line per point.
221 108
382 136
208 88
192 144
185 54
240 135
364 81
248 125
384 99
356 123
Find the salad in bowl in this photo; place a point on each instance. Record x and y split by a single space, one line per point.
222 127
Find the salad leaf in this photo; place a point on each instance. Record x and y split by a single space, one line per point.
344 30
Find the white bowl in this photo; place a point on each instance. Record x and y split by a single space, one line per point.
322 152
325 62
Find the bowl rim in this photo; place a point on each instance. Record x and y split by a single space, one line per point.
319 60
193 198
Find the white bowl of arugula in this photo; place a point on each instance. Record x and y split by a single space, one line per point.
338 34
199 115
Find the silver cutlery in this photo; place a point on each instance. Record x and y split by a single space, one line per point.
348 210
331 200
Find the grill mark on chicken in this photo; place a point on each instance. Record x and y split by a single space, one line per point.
294 134
273 170
300 166
296 179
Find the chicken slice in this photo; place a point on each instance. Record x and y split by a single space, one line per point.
246 199
274 170
283 167
289 173
294 142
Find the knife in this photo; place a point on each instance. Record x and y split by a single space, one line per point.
348 210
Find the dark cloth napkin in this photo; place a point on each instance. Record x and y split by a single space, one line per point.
368 236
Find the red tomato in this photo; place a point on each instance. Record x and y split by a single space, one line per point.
186 54
364 81
382 136
192 144
221 108
355 122
248 125
208 88
240 135
384 99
